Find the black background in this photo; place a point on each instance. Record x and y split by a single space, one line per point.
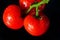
52 10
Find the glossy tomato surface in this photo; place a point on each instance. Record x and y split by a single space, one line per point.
52 11
25 4
12 17
36 26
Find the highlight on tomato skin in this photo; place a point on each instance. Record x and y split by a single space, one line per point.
36 27
25 4
12 17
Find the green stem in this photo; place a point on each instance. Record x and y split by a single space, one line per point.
32 6
37 5
36 11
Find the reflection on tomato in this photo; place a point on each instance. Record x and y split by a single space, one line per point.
12 17
36 26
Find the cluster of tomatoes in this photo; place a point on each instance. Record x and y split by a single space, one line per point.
35 21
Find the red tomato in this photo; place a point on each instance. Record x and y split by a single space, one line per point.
12 17
25 4
36 26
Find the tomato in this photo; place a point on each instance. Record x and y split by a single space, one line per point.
36 26
12 17
25 4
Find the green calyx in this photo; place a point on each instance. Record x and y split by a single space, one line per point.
37 5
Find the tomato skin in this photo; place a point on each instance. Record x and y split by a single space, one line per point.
36 27
25 4
32 11
41 8
12 17
38 0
